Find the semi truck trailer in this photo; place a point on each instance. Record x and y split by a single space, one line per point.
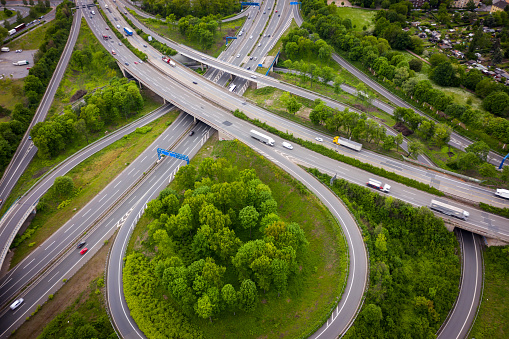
262 137
378 185
502 193
347 143
447 209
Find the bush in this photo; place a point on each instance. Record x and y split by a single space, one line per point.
415 64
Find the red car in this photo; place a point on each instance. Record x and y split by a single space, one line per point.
83 251
136 62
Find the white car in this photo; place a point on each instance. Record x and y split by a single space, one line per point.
319 139
17 304
287 145
238 55
253 76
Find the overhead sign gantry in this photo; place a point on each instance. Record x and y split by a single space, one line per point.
162 151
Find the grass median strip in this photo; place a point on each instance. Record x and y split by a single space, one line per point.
89 178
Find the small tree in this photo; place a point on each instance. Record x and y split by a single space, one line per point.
487 170
248 218
64 186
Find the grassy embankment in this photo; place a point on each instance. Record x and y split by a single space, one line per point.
493 318
171 32
309 299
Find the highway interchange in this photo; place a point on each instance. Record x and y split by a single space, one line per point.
210 104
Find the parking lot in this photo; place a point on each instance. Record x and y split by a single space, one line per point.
7 68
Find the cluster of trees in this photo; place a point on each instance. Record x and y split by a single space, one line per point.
300 44
221 241
312 72
103 107
414 271
375 53
182 8
202 30
35 83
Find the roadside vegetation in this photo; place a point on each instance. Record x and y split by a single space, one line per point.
493 318
206 34
35 83
30 40
172 9
74 190
36 10
414 265
91 67
249 256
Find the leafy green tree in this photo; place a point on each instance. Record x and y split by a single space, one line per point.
487 170
292 105
185 177
471 5
327 74
442 135
480 149
362 91
398 140
247 295
415 147
248 218
445 75
338 81
81 128
64 186
313 72
230 297
204 307
389 143
225 243
467 161
280 272
497 103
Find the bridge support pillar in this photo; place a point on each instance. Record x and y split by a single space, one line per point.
223 136
194 119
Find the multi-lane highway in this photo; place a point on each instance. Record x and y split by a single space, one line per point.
26 149
206 101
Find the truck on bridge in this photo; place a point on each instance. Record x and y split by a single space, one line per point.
262 137
347 143
128 32
378 185
449 210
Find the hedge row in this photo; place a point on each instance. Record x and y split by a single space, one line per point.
503 212
347 160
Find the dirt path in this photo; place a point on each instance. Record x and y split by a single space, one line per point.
93 269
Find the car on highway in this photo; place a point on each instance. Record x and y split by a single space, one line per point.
83 251
248 68
278 15
19 50
118 26
203 58
319 139
251 58
81 244
263 12
109 36
120 44
253 76
126 63
113 52
287 145
268 35
17 304
276 10
191 133
84 6
136 62
144 45
194 82
259 44
251 37
107 29
238 55
29 137
28 67
1 201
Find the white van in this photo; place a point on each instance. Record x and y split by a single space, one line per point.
287 145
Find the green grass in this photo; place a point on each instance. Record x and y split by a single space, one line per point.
279 44
227 29
30 40
310 298
493 318
91 176
359 17
11 93
86 312
98 74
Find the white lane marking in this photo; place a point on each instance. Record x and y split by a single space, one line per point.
409 192
29 263
68 228
103 197
49 245
53 276
118 183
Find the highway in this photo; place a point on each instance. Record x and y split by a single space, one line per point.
101 214
26 149
13 219
446 183
216 117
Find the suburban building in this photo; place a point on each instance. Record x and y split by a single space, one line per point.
498 6
418 3
463 3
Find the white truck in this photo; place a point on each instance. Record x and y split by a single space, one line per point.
347 143
502 193
262 137
20 63
5 49
12 31
378 185
449 210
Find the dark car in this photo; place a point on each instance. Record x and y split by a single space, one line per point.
194 82
126 63
81 244
191 133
